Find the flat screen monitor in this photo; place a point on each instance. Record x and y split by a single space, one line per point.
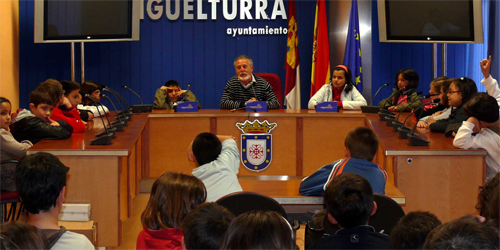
438 21
86 20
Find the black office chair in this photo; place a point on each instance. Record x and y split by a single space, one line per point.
10 199
241 202
388 214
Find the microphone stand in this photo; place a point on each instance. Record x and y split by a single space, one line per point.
392 117
124 113
139 108
105 137
175 103
120 121
396 123
376 93
121 98
404 130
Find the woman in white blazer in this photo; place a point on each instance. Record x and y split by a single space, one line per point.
340 89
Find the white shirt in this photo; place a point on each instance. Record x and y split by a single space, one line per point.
71 240
93 109
444 115
220 176
351 100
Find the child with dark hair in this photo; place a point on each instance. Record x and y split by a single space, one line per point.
349 203
259 230
167 95
93 89
41 184
10 149
24 236
460 91
483 110
404 93
485 195
463 233
341 89
412 229
361 145
72 93
493 209
217 161
205 226
434 92
172 197
64 110
35 124
439 115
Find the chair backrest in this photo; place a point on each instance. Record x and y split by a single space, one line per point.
241 202
275 82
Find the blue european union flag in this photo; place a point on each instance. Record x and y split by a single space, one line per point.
352 54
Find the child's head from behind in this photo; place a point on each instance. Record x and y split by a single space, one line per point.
40 182
407 79
205 226
342 75
361 143
5 112
485 194
436 84
463 233
54 89
24 235
172 197
349 200
206 148
483 107
41 104
72 92
259 230
460 91
412 229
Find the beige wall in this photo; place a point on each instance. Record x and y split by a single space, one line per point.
9 51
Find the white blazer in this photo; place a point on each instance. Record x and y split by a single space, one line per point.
351 100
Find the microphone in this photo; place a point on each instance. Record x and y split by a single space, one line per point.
125 111
139 108
189 86
396 122
403 130
119 122
125 87
376 93
416 140
101 139
244 108
389 120
110 128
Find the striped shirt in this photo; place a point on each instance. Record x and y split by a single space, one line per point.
235 95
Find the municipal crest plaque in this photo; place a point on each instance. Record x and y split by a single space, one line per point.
256 144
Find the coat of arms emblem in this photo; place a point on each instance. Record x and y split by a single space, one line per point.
256 144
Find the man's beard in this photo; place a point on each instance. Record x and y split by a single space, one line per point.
245 78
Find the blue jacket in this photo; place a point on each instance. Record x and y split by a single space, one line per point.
316 184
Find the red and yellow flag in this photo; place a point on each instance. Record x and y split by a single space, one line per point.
292 87
320 74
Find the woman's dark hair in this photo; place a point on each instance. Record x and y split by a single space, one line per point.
445 87
466 86
348 78
89 87
3 99
259 230
69 86
172 197
24 236
411 76
484 196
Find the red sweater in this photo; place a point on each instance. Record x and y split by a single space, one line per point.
169 238
72 116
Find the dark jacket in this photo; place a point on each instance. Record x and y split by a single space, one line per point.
392 100
456 116
163 102
28 127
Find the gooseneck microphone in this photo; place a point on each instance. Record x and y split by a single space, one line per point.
101 139
131 90
376 93
189 86
396 122
389 119
125 113
118 123
404 130
244 108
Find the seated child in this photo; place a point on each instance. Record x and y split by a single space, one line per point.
439 115
64 110
41 184
412 229
217 161
435 93
460 91
173 195
485 195
205 226
10 149
93 89
361 146
259 230
23 235
463 233
35 124
404 96
72 92
349 203
167 95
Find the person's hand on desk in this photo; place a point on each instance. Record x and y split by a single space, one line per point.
225 137
252 100
422 124
392 108
430 120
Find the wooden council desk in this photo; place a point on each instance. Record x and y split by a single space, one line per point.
154 143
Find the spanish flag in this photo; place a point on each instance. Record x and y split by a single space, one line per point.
292 87
320 74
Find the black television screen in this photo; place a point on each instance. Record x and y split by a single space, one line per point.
431 21
85 20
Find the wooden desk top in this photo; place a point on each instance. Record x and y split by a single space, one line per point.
79 143
285 189
272 112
